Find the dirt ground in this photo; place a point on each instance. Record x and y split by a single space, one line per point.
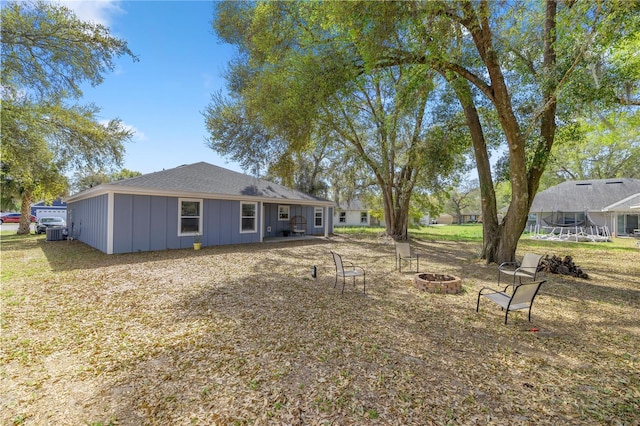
244 335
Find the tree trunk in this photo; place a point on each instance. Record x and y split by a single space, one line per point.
396 212
500 240
491 237
24 228
525 181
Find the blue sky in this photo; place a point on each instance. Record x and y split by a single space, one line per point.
161 97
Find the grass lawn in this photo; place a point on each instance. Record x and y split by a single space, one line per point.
243 335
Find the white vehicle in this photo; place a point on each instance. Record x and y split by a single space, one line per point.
49 222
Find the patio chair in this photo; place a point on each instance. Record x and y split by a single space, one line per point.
350 271
298 226
522 297
528 269
404 252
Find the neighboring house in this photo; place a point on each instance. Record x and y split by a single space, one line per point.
442 219
445 219
57 209
473 217
351 213
584 203
168 209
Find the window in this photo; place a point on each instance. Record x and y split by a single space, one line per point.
573 219
248 217
317 217
189 216
343 217
283 212
364 217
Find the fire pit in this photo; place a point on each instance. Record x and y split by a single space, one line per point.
438 283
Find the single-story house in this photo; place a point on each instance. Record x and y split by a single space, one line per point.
584 203
171 208
57 208
467 217
351 213
442 219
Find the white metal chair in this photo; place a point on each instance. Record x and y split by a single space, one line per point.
528 269
522 297
351 271
404 252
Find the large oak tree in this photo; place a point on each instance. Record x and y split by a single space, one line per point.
521 64
381 121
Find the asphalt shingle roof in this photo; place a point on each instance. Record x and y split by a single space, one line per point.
585 195
352 205
205 178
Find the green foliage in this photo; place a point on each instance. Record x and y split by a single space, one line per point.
304 75
47 53
89 178
236 133
363 69
605 146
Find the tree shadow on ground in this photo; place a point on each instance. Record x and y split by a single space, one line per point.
244 335
307 352
75 255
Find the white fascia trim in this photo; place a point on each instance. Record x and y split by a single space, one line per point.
624 200
110 220
106 188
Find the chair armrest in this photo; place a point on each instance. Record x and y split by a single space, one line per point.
353 266
510 285
505 264
487 288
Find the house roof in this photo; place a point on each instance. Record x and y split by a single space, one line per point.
632 202
352 205
203 180
588 195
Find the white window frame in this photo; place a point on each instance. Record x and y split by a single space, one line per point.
317 210
284 213
255 217
342 217
364 217
200 205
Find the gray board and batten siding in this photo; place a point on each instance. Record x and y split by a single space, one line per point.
142 214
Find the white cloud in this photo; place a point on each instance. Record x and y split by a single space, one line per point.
96 11
138 136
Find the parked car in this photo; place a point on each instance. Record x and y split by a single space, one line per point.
13 218
49 222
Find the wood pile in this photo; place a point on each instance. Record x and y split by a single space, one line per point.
558 265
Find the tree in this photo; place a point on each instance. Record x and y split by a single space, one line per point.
375 119
602 147
463 198
84 179
512 49
525 63
47 53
